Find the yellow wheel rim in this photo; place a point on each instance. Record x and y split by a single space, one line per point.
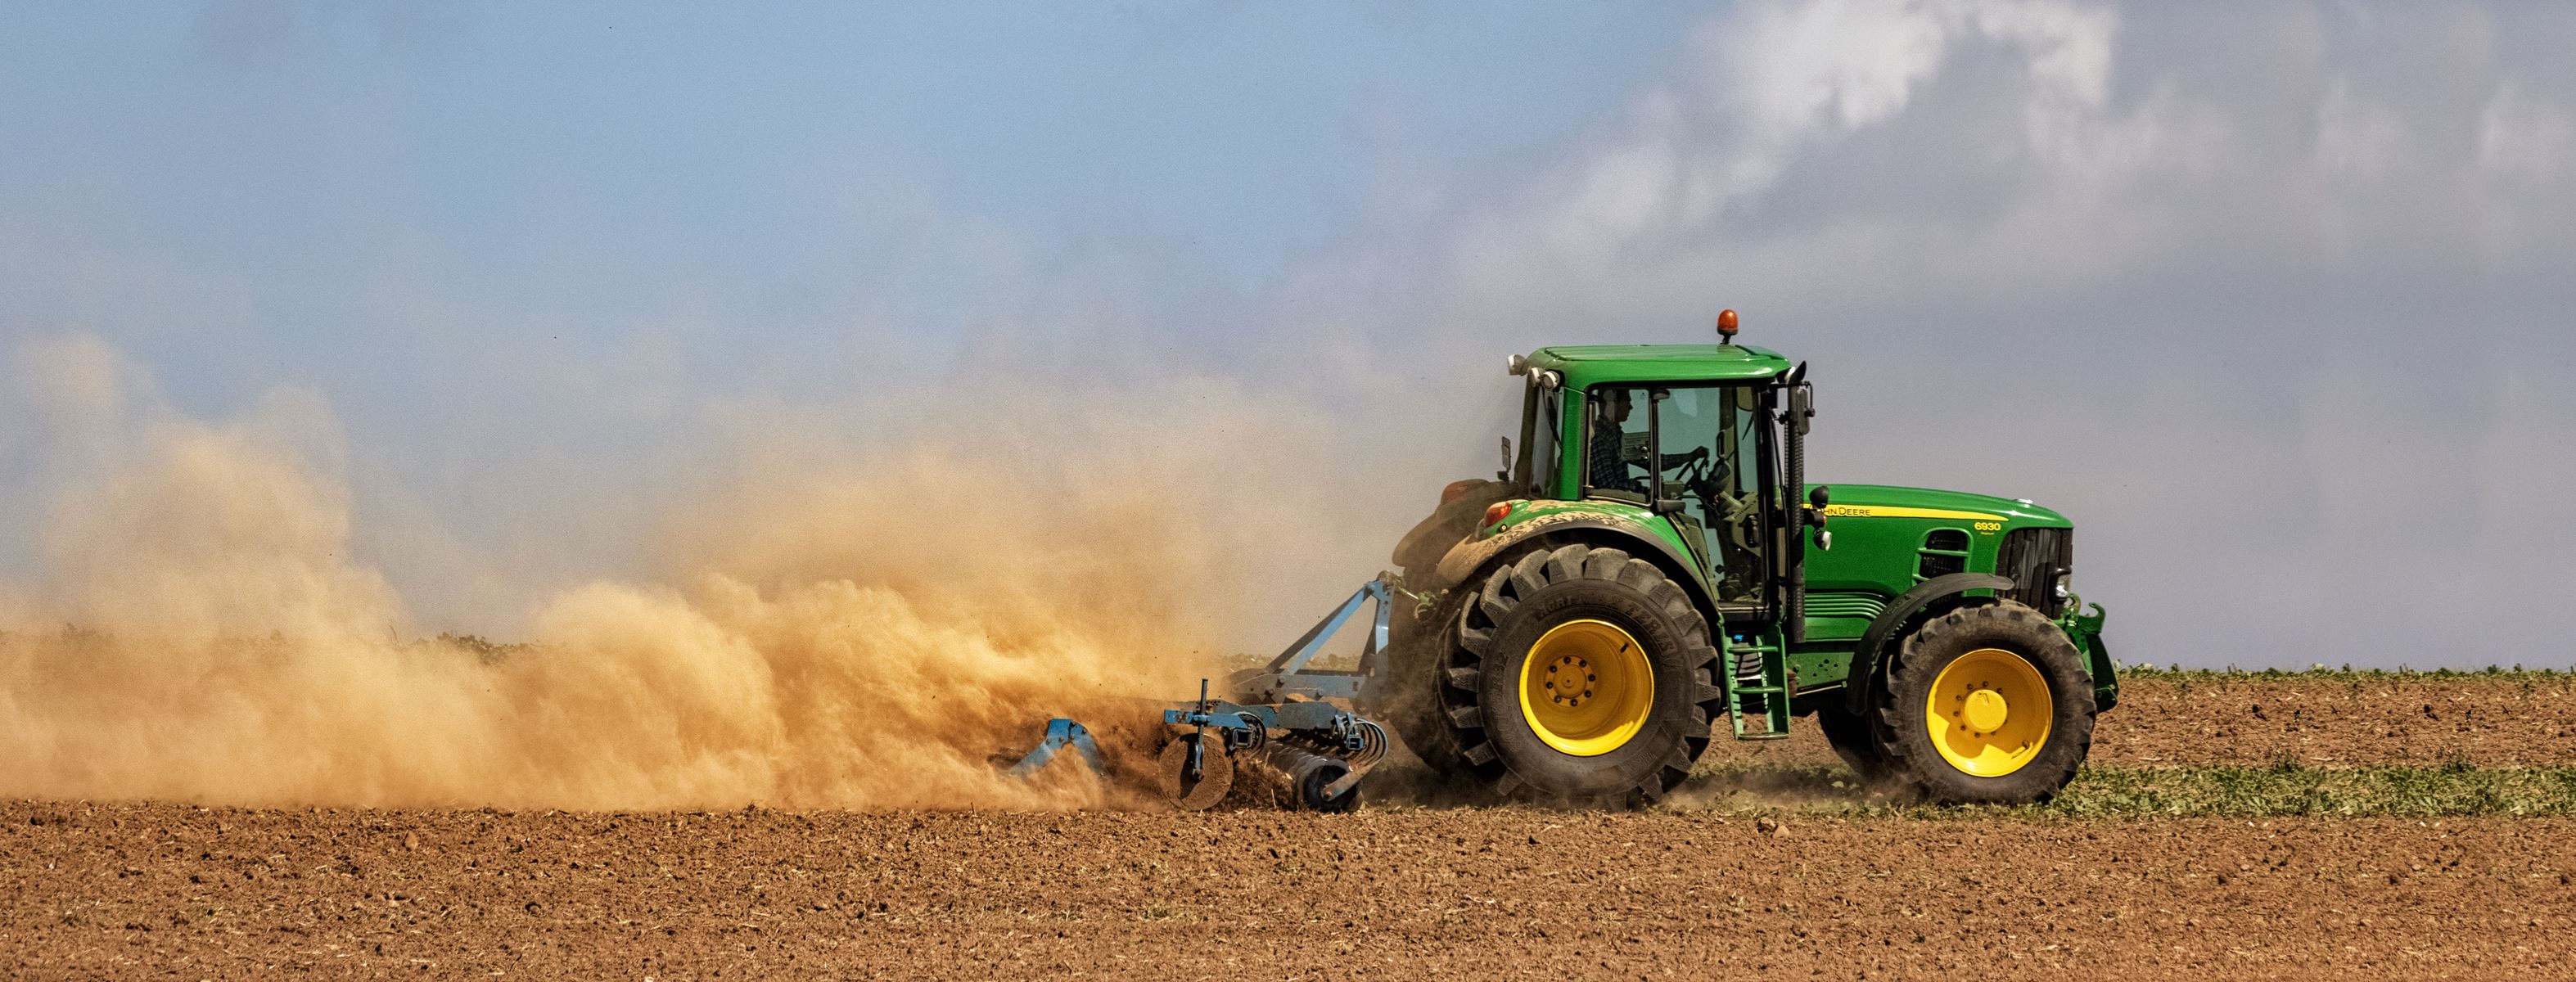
1586 687
1989 712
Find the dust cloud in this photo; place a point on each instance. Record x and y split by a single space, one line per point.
848 622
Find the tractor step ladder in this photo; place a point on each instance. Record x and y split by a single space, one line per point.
1770 698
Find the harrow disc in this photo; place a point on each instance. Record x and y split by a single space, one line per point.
1200 788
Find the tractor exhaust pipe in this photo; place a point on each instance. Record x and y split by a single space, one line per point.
1793 606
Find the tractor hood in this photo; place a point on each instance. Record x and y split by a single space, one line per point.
1886 539
1894 501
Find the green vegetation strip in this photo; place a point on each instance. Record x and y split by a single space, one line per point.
2347 673
2144 792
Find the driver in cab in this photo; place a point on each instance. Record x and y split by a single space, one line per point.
1608 452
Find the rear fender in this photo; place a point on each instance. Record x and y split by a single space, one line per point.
1447 525
1471 556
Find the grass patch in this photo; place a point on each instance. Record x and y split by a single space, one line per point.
2156 792
2347 673
2413 792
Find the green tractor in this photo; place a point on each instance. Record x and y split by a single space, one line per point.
1651 560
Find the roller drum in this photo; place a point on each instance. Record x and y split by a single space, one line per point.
1312 776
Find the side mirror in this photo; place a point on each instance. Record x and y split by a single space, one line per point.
1802 404
1506 473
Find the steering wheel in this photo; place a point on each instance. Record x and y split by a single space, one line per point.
1734 513
1695 479
1703 478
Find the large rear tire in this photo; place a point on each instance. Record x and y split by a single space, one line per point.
1417 644
1989 704
1575 674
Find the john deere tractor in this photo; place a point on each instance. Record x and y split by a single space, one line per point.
1650 563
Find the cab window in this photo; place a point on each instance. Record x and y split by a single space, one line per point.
1703 446
1616 435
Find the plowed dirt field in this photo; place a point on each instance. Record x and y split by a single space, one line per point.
181 892
90 890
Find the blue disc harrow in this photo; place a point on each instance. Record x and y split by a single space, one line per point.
1296 720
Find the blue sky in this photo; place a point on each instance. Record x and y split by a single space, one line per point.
493 234
588 165
2270 298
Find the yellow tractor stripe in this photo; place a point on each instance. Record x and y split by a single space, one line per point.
1891 511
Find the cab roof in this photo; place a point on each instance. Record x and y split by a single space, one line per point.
1586 365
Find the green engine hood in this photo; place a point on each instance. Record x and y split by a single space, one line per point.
1895 501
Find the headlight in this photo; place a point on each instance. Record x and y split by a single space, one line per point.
2065 585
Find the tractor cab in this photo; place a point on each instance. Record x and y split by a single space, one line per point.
1682 438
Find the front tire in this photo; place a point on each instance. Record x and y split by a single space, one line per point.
1989 704
1853 740
1580 675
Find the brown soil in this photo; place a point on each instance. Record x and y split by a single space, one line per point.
2489 722
184 892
